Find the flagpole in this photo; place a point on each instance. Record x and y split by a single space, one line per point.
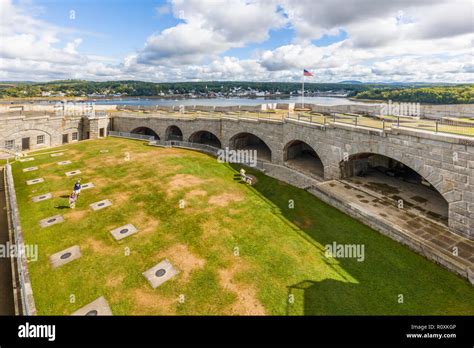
302 96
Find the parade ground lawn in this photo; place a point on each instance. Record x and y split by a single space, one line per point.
239 249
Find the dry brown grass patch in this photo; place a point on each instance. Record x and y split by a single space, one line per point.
144 222
247 302
75 215
150 302
182 181
114 281
226 198
195 193
180 256
99 247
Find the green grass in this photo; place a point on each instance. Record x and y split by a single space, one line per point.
281 250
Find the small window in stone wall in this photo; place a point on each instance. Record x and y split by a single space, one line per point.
74 136
40 139
9 144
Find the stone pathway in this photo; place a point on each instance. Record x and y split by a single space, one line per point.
409 221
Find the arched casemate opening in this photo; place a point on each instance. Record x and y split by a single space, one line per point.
146 131
396 180
173 133
248 141
205 137
301 156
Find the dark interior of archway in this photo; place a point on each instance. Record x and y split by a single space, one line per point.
145 131
301 156
174 133
247 141
204 137
392 178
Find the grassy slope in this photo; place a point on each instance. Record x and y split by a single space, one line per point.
389 268
281 249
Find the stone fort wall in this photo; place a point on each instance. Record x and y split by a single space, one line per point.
446 162
48 130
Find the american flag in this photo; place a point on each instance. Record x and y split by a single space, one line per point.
306 73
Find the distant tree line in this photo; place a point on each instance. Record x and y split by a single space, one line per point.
423 93
428 95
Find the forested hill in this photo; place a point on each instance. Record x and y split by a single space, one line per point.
417 92
429 95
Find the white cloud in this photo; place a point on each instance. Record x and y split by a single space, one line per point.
400 40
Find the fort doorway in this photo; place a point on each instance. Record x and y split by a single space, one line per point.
25 144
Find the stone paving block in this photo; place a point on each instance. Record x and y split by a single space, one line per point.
34 181
160 273
73 172
87 185
99 306
123 231
53 220
101 204
57 154
30 169
27 159
65 256
63 163
42 197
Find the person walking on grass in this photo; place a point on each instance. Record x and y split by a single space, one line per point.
77 187
72 200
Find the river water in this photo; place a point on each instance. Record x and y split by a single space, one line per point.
225 101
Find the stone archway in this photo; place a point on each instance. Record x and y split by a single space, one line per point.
251 142
173 133
397 180
301 156
205 137
145 131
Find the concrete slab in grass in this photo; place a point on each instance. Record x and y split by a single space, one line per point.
42 197
123 231
104 151
160 273
34 181
30 169
27 159
65 256
63 163
53 220
101 204
57 154
99 306
87 185
73 172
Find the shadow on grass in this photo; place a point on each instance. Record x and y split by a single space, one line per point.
62 207
371 287
331 296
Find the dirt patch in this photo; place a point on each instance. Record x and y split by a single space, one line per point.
224 199
182 181
247 302
234 211
180 256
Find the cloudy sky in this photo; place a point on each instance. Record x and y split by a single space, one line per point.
251 40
